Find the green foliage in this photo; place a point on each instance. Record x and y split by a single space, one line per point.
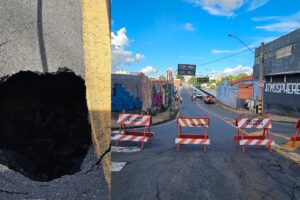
231 78
213 87
180 77
162 77
167 90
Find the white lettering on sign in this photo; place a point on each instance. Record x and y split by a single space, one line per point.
281 88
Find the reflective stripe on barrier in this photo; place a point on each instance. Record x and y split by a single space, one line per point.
130 138
191 141
254 123
188 122
134 119
256 142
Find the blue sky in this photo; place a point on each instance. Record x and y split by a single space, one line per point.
152 35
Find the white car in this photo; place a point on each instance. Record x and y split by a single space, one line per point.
199 96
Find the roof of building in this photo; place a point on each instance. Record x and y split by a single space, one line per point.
160 82
246 78
246 86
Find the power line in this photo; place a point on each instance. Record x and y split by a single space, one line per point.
224 57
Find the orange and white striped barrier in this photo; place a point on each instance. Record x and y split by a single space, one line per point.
256 142
296 136
191 141
263 123
198 139
133 136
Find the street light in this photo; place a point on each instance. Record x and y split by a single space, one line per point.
230 35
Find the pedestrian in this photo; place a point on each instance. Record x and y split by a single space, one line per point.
180 100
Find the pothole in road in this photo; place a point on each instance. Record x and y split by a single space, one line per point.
44 127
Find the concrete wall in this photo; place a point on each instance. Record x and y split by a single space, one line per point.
282 99
288 64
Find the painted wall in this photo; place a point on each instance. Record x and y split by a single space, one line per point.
136 89
282 99
123 100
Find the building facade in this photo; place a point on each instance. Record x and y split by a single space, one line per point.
237 94
281 74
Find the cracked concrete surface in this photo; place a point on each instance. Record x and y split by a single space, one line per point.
43 37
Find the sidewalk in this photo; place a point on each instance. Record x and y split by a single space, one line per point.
277 118
159 118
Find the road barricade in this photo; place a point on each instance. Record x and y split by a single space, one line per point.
198 139
296 137
124 134
263 123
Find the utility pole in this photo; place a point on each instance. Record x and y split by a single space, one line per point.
261 71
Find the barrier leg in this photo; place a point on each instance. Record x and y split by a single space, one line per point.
205 148
142 146
177 147
295 138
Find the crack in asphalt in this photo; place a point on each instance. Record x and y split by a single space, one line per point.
294 189
156 186
98 161
3 43
10 192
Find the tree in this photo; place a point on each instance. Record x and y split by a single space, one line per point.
180 77
162 77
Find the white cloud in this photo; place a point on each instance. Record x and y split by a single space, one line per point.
149 70
281 26
219 7
238 70
279 23
253 45
120 39
232 71
189 27
266 18
221 51
120 56
256 4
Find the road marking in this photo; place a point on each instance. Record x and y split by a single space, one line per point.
125 149
117 166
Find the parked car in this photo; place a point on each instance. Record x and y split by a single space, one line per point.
199 96
209 99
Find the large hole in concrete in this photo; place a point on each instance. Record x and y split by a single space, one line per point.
44 127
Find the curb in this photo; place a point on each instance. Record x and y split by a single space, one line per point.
219 104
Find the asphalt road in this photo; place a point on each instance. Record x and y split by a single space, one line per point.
224 172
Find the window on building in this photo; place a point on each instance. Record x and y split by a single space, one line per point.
278 79
257 60
268 55
285 51
293 78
